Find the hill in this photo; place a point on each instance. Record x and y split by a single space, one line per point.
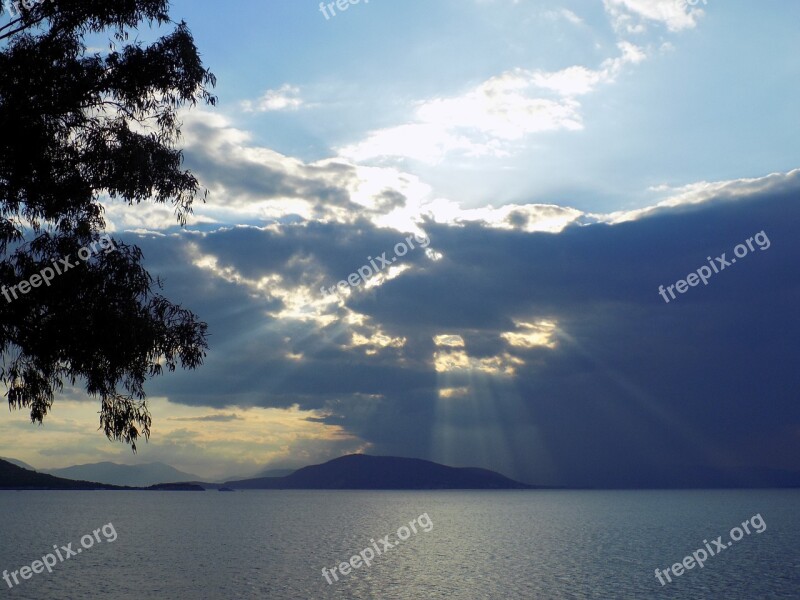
19 463
13 477
364 472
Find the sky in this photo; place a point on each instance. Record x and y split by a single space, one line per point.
530 173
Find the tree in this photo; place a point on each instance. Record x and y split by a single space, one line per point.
75 127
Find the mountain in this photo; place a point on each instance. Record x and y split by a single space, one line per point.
125 475
19 463
364 472
13 477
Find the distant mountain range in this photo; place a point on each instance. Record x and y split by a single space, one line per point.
124 475
360 471
364 472
13 477
145 475
353 472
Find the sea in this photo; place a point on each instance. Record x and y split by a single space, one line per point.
441 544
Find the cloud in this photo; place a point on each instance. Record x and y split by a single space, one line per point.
705 191
488 119
254 184
287 97
209 418
577 81
630 16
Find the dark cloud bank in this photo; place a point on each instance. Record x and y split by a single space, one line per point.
637 392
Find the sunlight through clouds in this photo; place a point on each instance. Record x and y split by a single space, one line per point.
452 357
530 335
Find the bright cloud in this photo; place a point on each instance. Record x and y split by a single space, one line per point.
630 15
487 119
287 97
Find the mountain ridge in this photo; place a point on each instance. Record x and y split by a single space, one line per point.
363 471
111 473
13 477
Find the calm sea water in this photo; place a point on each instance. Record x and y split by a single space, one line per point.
507 545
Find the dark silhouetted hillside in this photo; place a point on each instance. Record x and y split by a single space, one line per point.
363 472
13 477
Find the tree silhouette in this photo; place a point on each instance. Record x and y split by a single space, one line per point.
77 126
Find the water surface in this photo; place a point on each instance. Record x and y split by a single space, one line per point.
483 544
